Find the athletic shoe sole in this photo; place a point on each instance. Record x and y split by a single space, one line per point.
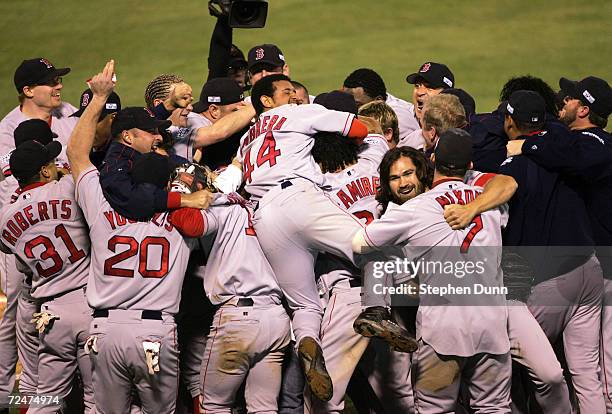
396 337
317 377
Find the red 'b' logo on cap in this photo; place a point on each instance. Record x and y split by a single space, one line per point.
259 54
425 67
46 63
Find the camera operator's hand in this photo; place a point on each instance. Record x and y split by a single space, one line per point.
218 8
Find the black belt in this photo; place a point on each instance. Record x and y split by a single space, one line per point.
146 314
244 302
354 282
286 184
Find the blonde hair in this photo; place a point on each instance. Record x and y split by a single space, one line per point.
159 88
443 111
384 114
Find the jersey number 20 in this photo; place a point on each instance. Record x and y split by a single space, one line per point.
142 251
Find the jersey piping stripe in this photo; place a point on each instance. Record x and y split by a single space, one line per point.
92 169
210 352
331 313
344 130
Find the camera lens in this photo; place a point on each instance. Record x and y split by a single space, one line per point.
247 12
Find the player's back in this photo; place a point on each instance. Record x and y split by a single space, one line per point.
45 228
236 266
137 265
278 146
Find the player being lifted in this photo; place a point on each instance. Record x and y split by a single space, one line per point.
294 218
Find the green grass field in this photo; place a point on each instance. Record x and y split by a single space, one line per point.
484 42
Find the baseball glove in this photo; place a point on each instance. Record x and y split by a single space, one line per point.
188 178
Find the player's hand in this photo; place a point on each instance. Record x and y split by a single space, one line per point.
200 199
459 216
514 147
180 96
179 116
372 124
103 83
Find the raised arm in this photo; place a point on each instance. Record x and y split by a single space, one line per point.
496 192
82 137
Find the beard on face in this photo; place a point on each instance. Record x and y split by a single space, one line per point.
568 117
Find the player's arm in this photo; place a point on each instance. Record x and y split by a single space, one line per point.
394 228
224 127
82 137
496 192
230 179
581 155
191 222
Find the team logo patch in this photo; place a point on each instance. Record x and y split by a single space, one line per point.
281 57
448 81
214 99
510 109
534 119
259 54
425 67
48 64
85 101
588 96
111 106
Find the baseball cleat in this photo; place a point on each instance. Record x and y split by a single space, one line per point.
376 321
317 377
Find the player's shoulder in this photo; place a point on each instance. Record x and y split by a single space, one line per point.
11 120
64 111
596 134
395 102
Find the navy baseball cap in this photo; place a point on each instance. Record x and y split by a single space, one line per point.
218 91
454 149
33 130
237 59
338 101
592 91
266 53
28 158
36 71
112 105
137 117
525 106
468 103
437 75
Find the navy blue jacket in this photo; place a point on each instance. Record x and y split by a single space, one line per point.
587 155
134 201
548 218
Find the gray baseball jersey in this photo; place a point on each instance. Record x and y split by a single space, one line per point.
414 139
61 123
404 110
354 190
228 223
278 146
135 265
458 330
184 136
45 228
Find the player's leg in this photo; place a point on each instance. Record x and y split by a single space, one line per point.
569 305
581 340
27 342
606 344
111 378
530 348
264 378
489 379
156 384
10 284
227 357
342 346
291 397
58 350
436 380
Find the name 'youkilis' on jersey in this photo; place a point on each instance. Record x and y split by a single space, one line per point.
357 189
263 125
117 220
34 214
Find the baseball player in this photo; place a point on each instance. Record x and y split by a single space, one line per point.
557 243
250 330
278 170
470 345
367 86
429 80
586 153
135 281
387 119
219 97
264 60
21 305
39 85
45 229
